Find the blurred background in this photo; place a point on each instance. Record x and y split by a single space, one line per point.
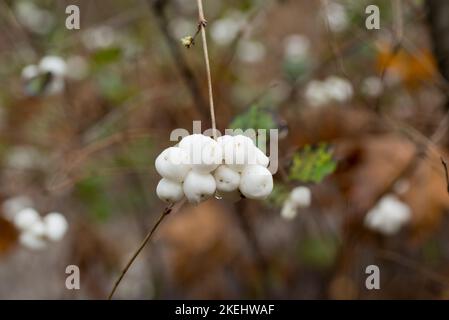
362 116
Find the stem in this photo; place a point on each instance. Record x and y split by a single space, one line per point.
166 211
202 25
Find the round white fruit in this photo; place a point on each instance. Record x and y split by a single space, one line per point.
238 152
301 196
227 180
169 191
25 218
289 210
32 241
55 226
173 164
256 182
198 186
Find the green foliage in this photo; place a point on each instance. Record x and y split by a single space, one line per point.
106 56
318 252
312 164
278 195
254 118
91 191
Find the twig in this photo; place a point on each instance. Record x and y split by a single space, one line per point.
158 6
166 211
443 162
202 24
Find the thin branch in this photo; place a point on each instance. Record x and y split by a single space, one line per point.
166 211
202 24
158 6
443 162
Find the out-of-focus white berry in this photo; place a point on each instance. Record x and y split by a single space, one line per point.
337 17
296 47
316 93
37 228
198 186
250 51
289 210
169 191
173 164
227 180
32 241
301 196
224 30
256 182
56 226
30 71
53 64
372 87
388 216
25 218
338 88
13 205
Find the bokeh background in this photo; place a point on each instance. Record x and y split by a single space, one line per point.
362 115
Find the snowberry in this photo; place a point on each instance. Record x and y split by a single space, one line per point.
238 151
25 218
204 152
261 158
289 210
13 205
169 191
227 180
388 216
55 226
301 196
37 228
198 186
173 164
256 182
53 64
32 241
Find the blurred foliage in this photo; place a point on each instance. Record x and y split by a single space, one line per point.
278 195
91 190
254 118
318 252
312 164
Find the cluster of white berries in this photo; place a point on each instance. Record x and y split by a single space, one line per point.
331 89
388 216
54 65
299 197
35 231
200 167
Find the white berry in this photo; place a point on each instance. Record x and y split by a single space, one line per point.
169 191
32 241
227 180
198 186
256 182
55 226
25 218
301 196
238 151
289 210
173 164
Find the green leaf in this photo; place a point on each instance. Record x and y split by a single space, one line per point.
254 118
312 164
106 56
